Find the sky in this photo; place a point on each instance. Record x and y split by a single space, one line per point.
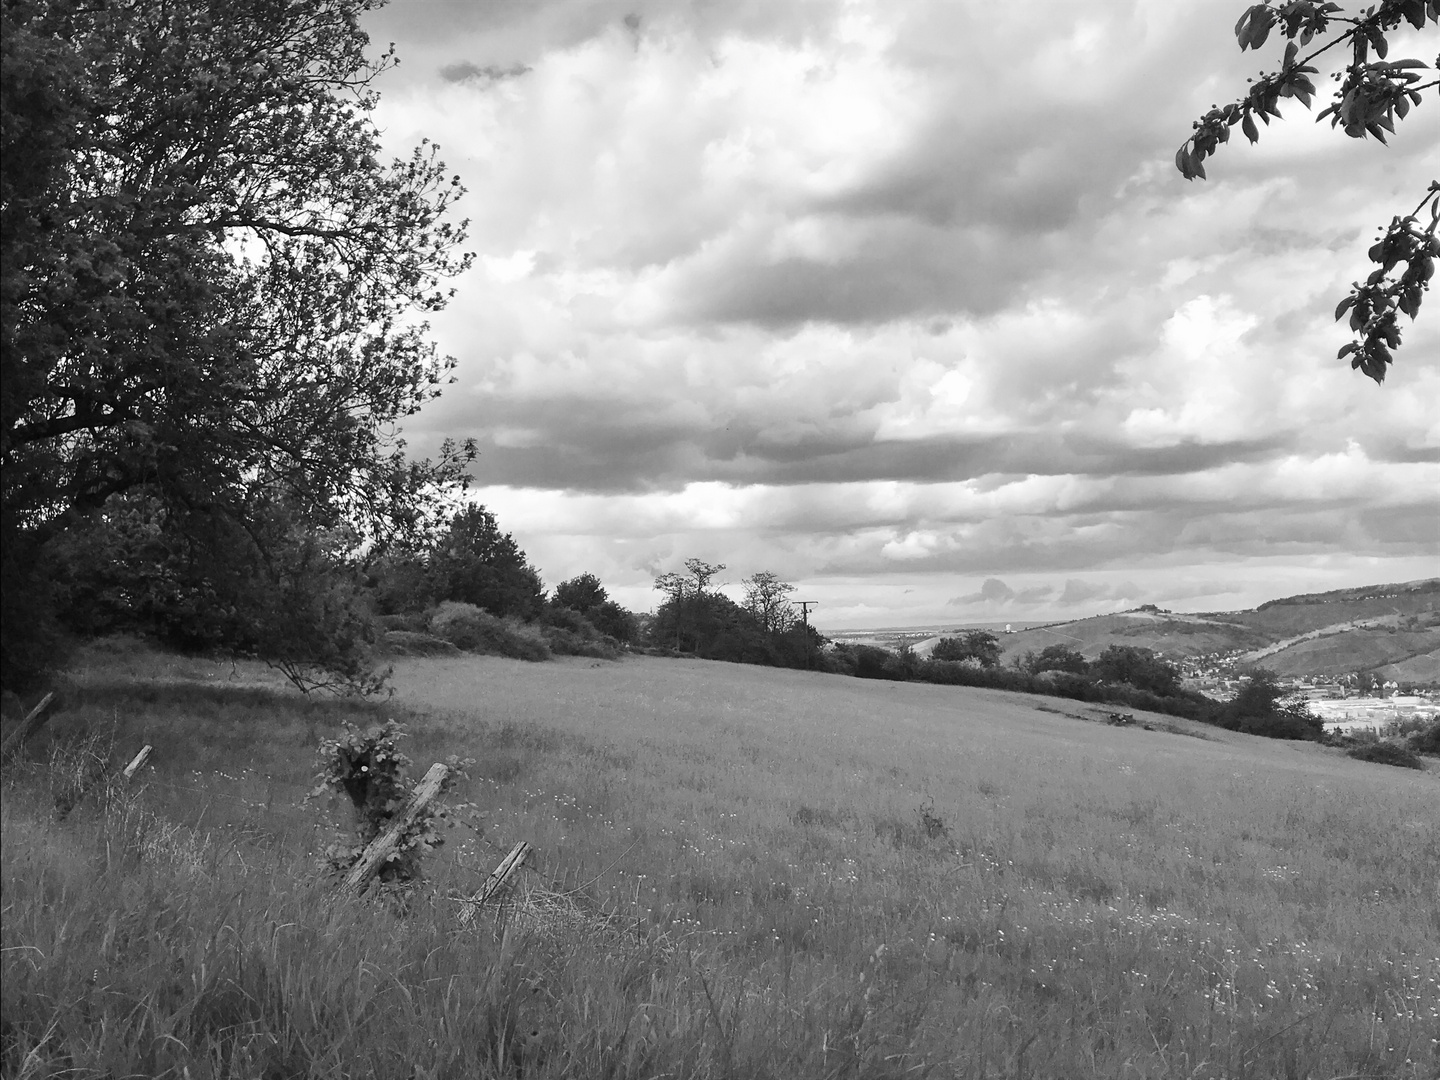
907 303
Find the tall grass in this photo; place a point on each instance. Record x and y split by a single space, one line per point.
742 872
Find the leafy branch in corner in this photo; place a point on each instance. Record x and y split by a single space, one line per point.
1372 96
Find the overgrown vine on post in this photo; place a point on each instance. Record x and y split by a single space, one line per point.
368 769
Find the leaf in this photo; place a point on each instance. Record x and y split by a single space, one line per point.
1344 306
1346 350
1248 127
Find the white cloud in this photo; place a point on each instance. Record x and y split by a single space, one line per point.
910 293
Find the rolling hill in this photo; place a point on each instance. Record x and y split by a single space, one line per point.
1392 630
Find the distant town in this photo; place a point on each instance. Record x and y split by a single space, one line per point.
1346 702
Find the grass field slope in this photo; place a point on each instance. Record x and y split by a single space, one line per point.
1374 628
740 872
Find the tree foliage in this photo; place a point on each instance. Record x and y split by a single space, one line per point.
279 590
1373 94
584 594
767 598
1141 668
1056 658
974 646
697 619
473 562
1258 709
211 285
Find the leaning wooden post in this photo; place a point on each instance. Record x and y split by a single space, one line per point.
136 762
127 773
383 846
31 724
496 881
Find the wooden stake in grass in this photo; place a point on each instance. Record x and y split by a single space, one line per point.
32 723
495 882
65 804
136 762
383 846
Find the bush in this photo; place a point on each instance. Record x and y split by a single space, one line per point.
974 645
1426 740
570 643
1387 753
1285 724
367 769
413 621
1140 668
1056 658
467 627
410 643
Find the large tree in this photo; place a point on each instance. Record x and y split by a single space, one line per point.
767 598
475 563
1373 93
211 285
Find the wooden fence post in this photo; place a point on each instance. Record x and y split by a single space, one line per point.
383 845
497 879
31 724
63 808
136 762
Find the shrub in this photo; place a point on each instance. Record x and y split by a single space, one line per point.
1140 668
1057 658
1283 724
467 627
559 617
368 769
413 621
1426 740
409 643
1387 753
974 645
563 642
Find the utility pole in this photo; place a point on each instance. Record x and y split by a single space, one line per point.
805 606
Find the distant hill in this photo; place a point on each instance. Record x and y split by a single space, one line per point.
1393 630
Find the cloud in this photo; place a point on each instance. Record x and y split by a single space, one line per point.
1080 592
464 70
993 591
911 293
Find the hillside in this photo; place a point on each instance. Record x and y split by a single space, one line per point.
1392 630
1172 634
738 871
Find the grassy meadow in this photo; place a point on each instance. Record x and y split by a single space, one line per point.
740 872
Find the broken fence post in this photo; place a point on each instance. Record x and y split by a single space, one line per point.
496 881
31 724
136 762
64 807
383 846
